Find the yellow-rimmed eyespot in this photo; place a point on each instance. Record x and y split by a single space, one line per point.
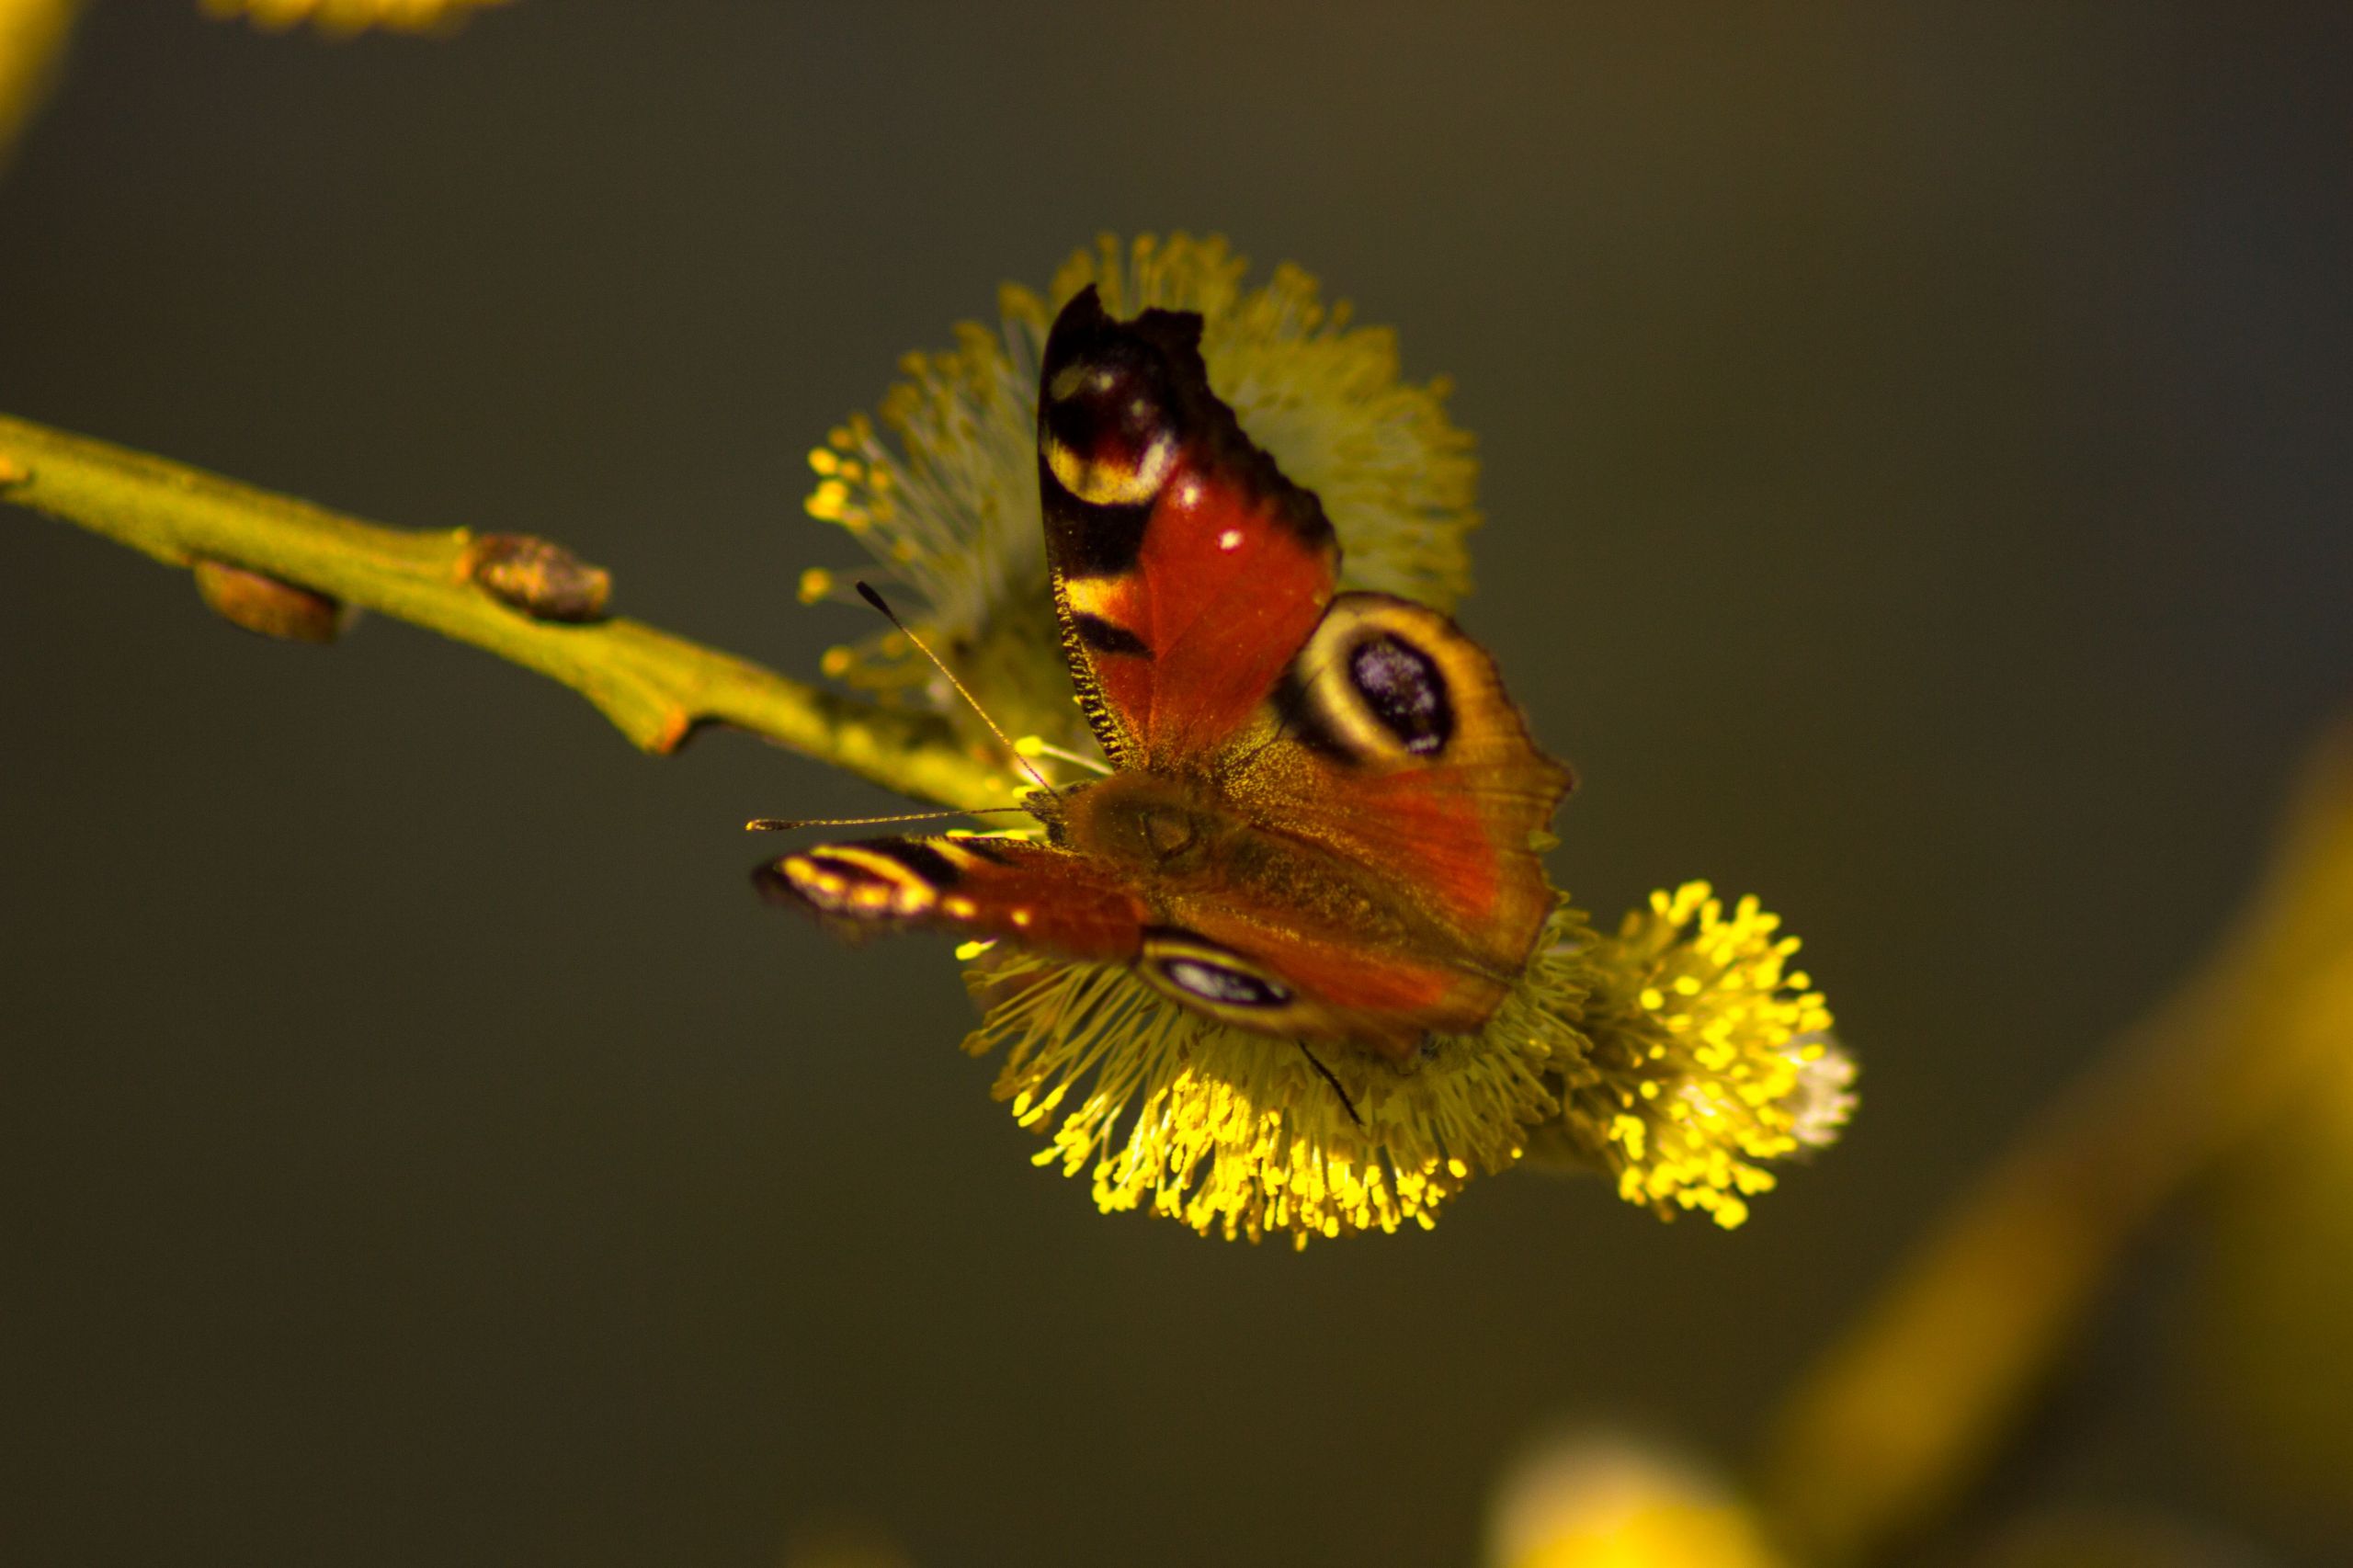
1216 980
1384 678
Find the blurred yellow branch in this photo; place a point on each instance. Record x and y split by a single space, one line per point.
343 17
33 41
1902 1417
654 686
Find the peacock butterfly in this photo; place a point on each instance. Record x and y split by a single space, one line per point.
1321 812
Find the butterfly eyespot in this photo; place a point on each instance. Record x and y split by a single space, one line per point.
1214 978
1377 680
1215 982
1106 431
1405 691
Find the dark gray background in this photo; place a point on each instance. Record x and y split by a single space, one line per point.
1915 452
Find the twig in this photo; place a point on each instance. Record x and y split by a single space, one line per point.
654 686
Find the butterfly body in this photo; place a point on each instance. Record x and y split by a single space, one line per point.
1323 810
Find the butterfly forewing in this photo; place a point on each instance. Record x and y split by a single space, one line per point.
985 887
1188 571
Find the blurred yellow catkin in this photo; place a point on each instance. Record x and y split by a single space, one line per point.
1602 1499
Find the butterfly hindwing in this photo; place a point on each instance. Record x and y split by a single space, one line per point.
1186 569
1395 757
1322 981
1412 758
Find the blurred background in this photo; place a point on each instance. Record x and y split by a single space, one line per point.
1917 471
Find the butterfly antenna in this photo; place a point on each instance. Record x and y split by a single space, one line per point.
1325 1072
865 592
786 824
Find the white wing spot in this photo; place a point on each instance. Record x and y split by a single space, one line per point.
1230 540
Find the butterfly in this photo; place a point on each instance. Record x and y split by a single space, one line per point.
1323 816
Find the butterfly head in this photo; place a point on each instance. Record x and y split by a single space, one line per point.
1051 808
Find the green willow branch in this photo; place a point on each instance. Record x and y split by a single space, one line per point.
1910 1407
654 686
